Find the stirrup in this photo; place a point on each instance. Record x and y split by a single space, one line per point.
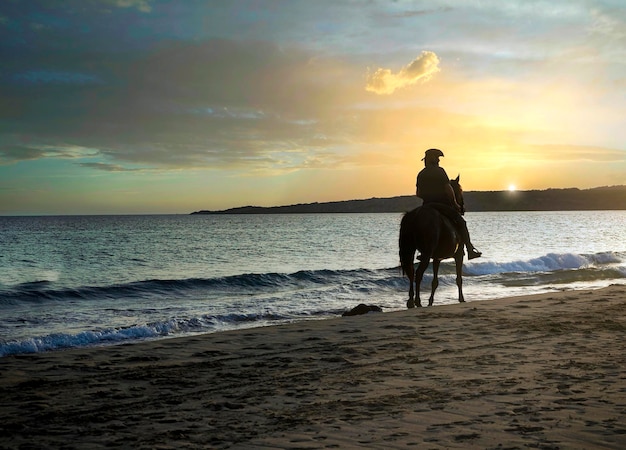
473 253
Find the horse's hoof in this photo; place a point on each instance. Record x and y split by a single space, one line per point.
410 304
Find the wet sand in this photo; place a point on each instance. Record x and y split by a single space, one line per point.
544 371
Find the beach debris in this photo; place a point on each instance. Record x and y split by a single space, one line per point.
362 309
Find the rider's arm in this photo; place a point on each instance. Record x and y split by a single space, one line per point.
450 194
417 186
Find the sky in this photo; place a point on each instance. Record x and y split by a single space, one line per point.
151 106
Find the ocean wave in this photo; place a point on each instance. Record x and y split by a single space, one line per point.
585 275
323 292
552 262
171 327
42 291
599 265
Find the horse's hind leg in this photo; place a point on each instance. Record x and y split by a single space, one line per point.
458 262
419 274
435 282
411 274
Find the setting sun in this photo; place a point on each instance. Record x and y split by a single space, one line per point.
512 188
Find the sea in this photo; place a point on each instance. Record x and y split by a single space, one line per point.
83 281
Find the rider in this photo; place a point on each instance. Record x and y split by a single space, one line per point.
433 187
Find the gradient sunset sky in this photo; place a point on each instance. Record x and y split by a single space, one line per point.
140 106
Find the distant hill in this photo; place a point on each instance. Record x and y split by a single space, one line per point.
601 198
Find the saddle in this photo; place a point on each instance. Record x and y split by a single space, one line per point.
448 213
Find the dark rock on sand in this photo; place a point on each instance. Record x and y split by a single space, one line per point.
362 309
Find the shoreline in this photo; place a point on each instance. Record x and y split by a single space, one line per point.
542 371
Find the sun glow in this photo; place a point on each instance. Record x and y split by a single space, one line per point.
512 188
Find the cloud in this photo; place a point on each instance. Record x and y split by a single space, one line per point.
141 5
419 12
576 153
16 148
13 153
107 167
208 104
421 69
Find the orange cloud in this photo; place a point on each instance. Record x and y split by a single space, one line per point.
421 69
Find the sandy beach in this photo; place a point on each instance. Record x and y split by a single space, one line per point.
545 371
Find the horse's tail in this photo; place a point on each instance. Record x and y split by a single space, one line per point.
406 241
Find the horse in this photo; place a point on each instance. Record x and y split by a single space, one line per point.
429 231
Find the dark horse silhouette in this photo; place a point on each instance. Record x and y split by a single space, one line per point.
427 230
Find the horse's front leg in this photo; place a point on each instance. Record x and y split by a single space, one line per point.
458 262
435 282
419 274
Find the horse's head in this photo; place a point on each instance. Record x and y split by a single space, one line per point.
458 193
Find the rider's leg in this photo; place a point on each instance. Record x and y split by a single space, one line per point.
461 226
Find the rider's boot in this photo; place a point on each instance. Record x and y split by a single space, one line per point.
471 250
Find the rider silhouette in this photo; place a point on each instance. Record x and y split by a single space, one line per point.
433 187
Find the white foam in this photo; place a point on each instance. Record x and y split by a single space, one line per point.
547 263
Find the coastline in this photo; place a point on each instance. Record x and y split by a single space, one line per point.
541 371
572 199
